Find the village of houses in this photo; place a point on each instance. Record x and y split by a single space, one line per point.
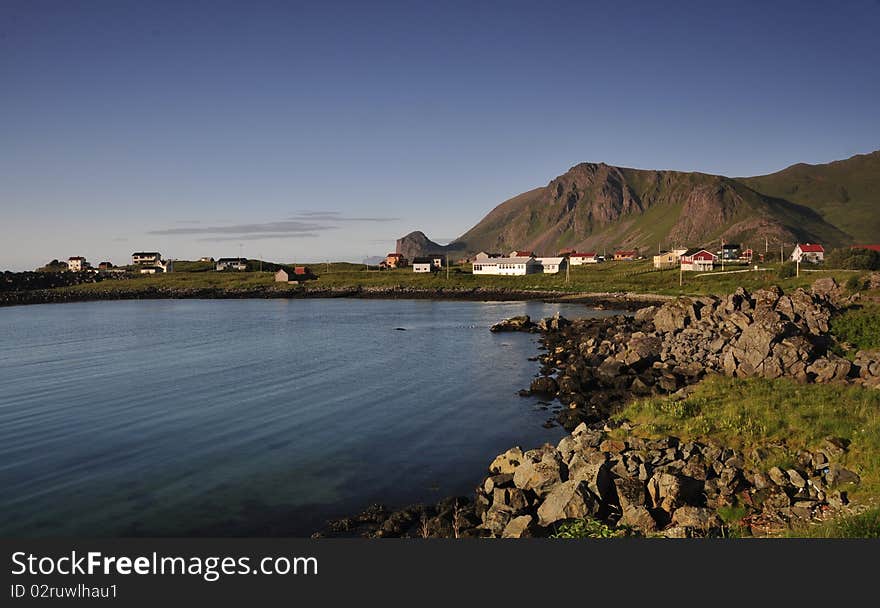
519 262
515 263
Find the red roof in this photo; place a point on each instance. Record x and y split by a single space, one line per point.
807 248
590 254
626 253
522 254
871 247
394 255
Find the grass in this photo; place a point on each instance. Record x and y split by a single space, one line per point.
750 413
587 527
634 277
859 327
862 525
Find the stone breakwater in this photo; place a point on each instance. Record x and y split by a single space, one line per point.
662 487
592 366
656 486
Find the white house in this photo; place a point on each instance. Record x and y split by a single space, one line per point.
159 267
231 264
551 265
77 263
579 258
698 260
507 266
808 253
146 257
424 264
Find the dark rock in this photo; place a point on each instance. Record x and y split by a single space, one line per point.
838 476
522 323
544 385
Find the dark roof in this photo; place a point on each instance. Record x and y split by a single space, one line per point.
423 260
230 260
144 253
730 246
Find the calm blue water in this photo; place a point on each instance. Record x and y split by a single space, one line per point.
178 417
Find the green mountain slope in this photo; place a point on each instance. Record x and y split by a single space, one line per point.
845 193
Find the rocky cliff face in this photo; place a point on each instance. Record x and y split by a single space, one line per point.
416 244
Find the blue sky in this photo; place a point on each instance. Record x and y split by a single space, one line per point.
308 131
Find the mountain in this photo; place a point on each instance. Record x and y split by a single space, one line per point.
416 244
597 206
845 193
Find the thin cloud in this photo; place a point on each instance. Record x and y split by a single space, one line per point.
255 237
336 216
282 227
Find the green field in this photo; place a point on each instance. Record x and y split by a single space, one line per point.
750 413
634 277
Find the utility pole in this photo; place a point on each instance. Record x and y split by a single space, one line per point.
722 255
447 266
781 255
680 274
567 267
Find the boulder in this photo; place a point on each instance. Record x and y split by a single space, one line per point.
544 385
519 527
639 518
507 462
538 477
830 368
669 491
521 323
496 518
497 481
700 518
640 353
673 316
837 476
594 472
630 493
827 288
645 314
567 500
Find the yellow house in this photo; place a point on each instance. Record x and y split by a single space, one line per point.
668 259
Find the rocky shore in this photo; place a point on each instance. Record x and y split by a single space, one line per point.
609 300
656 486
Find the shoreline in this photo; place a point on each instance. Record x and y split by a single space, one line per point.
614 300
656 484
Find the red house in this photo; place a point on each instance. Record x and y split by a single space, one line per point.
626 255
698 259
